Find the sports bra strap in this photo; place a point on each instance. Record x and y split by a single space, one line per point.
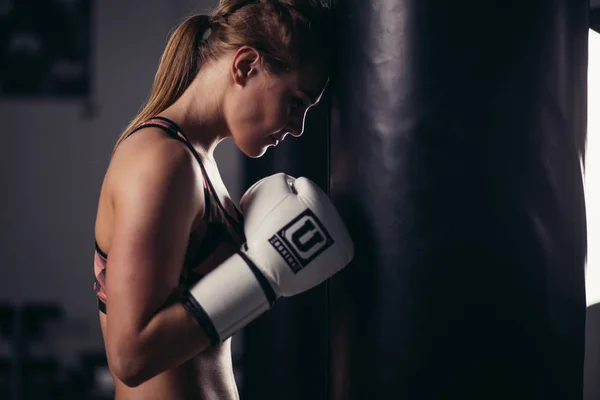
176 133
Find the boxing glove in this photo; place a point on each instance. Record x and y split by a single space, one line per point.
295 240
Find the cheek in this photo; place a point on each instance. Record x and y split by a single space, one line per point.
271 118
254 119
280 113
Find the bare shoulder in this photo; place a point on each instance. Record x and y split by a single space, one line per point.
148 171
150 154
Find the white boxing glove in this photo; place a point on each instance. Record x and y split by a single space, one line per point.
295 240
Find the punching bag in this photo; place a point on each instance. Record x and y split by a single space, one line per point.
458 129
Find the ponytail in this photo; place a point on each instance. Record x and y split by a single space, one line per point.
286 32
178 67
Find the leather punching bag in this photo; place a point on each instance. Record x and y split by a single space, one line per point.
458 128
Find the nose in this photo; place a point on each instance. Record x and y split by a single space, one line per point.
296 126
297 132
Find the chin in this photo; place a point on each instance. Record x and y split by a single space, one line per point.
255 152
251 148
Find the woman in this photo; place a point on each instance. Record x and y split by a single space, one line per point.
249 72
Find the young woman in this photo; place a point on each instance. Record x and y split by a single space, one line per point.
249 72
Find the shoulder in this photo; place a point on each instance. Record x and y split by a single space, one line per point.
151 147
152 161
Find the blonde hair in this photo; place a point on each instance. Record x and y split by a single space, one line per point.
286 32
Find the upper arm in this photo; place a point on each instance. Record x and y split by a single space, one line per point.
155 199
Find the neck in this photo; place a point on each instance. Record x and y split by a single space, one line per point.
198 111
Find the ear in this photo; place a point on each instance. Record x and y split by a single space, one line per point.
246 63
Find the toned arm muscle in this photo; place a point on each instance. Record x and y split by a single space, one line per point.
155 199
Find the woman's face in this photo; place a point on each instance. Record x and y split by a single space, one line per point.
264 107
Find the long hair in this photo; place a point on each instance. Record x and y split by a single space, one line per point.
286 32
176 71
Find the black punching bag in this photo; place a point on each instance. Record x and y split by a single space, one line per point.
458 128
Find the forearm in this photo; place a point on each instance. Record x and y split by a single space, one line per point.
170 338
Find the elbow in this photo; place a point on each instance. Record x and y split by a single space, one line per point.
130 377
127 365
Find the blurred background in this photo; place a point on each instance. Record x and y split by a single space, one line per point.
72 74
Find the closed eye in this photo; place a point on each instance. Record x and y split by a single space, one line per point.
298 103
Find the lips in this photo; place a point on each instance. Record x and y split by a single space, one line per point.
277 138
280 136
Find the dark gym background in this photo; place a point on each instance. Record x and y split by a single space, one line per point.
57 132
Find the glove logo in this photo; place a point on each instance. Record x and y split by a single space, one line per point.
301 240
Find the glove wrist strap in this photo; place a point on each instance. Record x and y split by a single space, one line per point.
229 298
